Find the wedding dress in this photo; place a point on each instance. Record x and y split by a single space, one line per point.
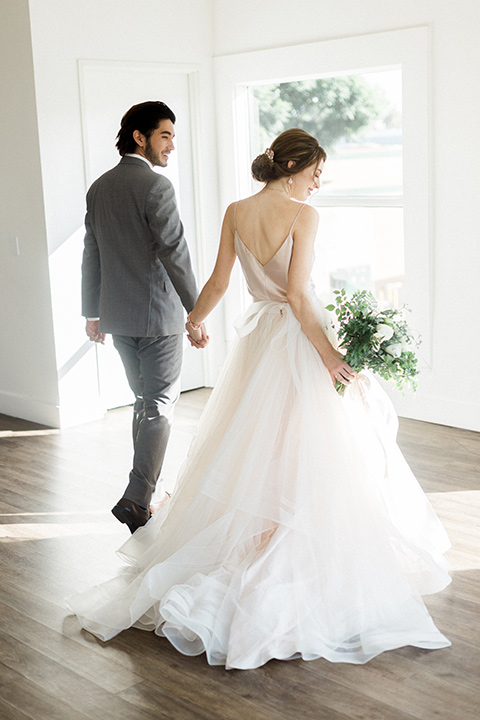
296 528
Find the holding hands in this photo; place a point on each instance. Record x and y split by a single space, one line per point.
196 333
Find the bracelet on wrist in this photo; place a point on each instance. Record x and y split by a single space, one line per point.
195 326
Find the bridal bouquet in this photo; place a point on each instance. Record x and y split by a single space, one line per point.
379 340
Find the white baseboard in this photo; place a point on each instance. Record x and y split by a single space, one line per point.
428 409
440 411
44 413
27 408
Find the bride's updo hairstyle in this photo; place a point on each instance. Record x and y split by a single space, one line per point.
294 144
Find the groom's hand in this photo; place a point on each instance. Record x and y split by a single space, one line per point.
91 328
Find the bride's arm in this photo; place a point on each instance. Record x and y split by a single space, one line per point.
301 303
216 286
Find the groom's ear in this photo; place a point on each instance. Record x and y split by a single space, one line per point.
139 138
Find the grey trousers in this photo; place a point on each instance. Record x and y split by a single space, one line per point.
152 366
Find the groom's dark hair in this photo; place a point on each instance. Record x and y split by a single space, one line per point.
145 118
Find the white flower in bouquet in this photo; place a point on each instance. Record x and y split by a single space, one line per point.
384 332
394 349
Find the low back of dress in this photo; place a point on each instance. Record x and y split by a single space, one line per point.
269 281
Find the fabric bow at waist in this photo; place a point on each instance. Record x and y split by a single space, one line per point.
247 322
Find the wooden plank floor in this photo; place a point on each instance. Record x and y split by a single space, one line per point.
58 536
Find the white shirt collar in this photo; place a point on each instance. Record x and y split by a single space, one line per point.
137 155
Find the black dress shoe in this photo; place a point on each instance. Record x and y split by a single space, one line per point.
131 514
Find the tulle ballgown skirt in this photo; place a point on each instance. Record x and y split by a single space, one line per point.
296 528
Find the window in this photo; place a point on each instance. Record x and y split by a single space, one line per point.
358 119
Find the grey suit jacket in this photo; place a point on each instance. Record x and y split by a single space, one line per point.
136 269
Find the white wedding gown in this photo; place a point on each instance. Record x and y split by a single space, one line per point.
296 528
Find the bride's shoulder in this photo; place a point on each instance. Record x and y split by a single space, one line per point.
307 218
240 207
230 208
234 206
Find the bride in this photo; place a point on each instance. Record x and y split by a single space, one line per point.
296 528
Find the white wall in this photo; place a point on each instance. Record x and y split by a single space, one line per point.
28 383
449 393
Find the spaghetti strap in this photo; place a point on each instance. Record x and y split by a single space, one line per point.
295 218
235 217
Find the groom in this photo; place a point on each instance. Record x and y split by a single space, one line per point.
136 276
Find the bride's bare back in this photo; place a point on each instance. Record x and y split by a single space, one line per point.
264 221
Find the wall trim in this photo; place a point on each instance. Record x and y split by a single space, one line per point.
28 408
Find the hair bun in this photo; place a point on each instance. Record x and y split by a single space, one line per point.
291 152
263 167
